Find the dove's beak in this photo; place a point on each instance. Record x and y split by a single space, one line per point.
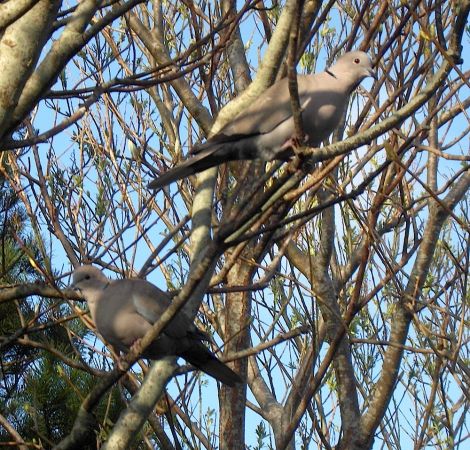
371 73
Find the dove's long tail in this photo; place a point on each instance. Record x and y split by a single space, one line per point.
205 159
202 358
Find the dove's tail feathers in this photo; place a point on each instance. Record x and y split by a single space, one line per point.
202 358
210 157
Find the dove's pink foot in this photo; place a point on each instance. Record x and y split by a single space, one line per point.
294 143
120 360
135 344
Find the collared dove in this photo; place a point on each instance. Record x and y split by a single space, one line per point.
124 310
265 129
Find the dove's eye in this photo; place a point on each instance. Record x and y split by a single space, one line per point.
357 61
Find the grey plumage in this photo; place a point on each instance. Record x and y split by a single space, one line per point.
124 310
264 129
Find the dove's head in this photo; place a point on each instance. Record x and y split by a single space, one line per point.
353 66
88 279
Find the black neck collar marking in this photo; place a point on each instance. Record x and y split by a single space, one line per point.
329 72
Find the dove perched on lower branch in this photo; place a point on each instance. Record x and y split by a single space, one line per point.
124 310
265 129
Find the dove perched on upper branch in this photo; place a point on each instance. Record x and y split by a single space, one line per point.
265 129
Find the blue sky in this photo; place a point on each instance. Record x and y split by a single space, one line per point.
65 148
